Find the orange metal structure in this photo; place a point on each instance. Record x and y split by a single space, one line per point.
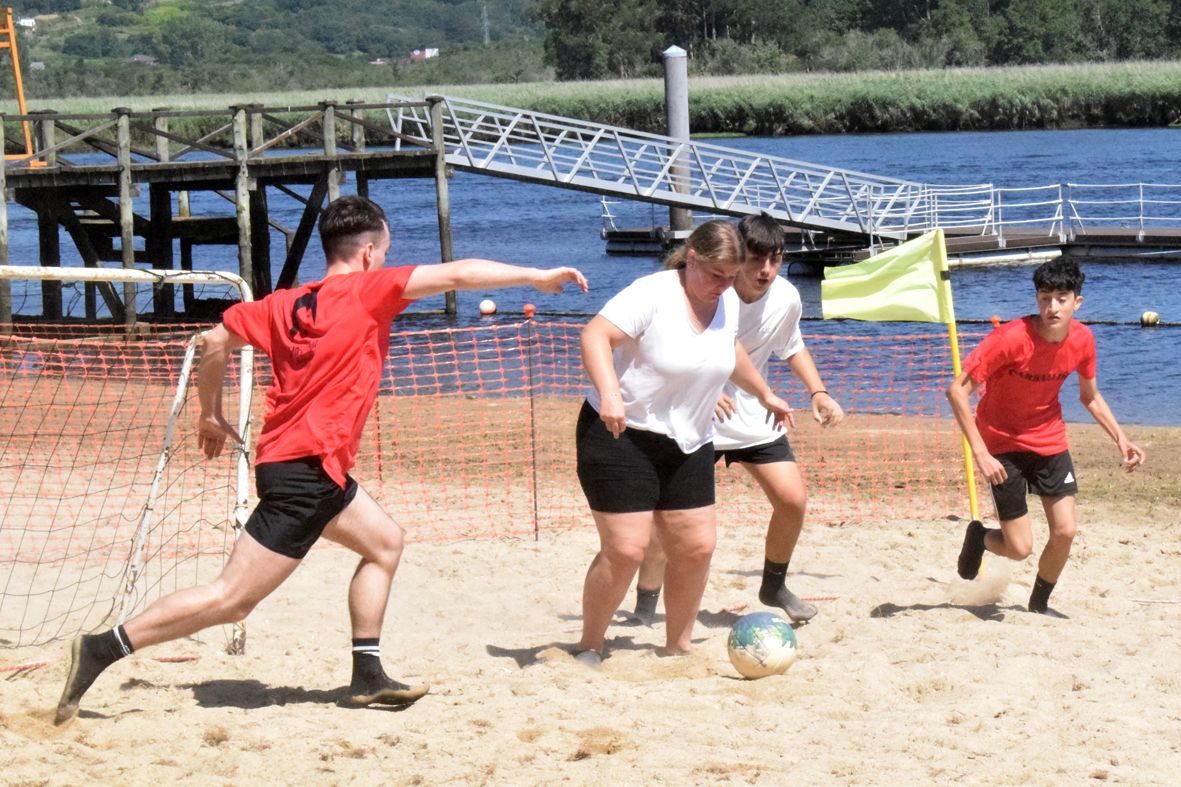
8 42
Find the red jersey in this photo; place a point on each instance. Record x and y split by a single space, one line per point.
1022 375
327 342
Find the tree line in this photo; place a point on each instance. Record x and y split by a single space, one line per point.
149 47
604 39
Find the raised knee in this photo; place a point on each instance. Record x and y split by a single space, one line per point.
1020 551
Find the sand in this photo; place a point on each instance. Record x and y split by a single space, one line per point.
907 673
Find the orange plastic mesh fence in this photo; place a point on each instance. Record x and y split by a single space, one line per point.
472 436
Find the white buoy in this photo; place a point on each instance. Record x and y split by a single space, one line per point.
1149 318
487 306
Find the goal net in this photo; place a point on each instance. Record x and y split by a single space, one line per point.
105 501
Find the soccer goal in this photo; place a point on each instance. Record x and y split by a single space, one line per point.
106 503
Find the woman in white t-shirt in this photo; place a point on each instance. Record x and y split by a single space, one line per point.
657 355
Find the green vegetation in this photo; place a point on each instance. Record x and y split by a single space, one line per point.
1124 94
143 47
814 66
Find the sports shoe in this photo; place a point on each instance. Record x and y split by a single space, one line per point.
84 668
796 608
972 551
386 692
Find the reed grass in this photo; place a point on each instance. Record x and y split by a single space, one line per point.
1052 96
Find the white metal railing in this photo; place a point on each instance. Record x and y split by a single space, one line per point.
619 163
612 161
1123 205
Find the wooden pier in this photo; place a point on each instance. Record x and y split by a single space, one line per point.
85 172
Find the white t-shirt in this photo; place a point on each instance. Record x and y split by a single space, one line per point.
770 325
671 375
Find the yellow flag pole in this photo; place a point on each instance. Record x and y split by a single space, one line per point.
947 309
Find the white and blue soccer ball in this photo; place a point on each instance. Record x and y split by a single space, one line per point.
761 644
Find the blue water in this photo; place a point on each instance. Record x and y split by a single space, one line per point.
1139 373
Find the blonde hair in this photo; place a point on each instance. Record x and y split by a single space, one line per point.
713 241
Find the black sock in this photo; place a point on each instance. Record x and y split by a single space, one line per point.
110 646
367 661
1039 599
774 577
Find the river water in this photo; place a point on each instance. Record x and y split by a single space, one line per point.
1139 370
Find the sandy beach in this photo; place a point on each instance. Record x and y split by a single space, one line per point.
907 674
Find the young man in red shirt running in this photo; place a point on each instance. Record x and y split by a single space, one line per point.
1018 436
327 342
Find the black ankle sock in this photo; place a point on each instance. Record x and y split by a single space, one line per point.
110 646
367 660
1039 599
774 577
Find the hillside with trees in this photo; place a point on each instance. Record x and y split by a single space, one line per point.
151 47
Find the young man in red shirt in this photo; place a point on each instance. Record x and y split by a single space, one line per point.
327 342
1018 436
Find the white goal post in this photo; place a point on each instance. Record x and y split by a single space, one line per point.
106 501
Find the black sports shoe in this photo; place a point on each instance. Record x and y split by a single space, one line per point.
973 550
385 692
796 608
84 668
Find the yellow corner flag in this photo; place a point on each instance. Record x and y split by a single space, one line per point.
908 282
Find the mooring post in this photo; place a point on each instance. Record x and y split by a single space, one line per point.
242 194
329 129
126 208
358 138
676 107
442 197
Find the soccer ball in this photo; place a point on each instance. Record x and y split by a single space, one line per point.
761 644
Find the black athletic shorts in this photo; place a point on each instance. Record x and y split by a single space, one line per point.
778 450
640 471
1030 473
296 501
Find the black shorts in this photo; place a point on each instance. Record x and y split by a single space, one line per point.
296 501
778 450
640 471
1030 473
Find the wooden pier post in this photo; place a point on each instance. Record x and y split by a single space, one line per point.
159 240
260 226
50 256
242 195
5 284
47 239
329 129
126 209
442 196
358 138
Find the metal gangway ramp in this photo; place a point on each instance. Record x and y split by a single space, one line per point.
606 160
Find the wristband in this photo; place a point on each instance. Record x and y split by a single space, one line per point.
821 391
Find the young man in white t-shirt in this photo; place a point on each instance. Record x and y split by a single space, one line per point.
768 324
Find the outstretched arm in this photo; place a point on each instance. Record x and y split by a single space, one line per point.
1131 454
478 274
746 376
958 394
825 409
212 427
